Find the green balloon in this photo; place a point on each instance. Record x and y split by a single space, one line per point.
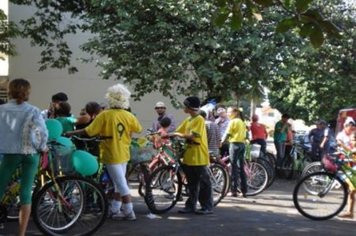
84 163
54 128
66 142
64 146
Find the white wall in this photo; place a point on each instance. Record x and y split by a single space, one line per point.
80 87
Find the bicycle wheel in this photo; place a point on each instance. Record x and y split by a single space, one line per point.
163 189
287 167
219 180
270 170
143 177
257 178
69 205
312 168
272 159
324 197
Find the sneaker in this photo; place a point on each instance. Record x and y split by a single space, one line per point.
233 194
122 216
243 195
203 212
186 211
346 215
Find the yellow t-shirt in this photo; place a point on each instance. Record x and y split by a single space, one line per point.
119 124
237 130
195 154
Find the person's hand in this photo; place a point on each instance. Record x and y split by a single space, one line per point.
68 134
45 150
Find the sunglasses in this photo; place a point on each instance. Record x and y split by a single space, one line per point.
160 108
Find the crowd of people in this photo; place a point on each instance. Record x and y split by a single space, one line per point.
223 133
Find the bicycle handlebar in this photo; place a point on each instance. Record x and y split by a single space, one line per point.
94 138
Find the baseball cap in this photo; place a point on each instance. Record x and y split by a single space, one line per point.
192 103
349 121
321 122
160 104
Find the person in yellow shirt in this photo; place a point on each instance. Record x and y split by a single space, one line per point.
118 123
196 159
236 135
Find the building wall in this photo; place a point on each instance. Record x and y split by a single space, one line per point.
80 87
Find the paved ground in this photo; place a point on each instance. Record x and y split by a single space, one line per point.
270 213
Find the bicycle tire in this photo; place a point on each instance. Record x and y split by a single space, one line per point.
80 208
272 159
163 189
287 167
219 180
271 172
313 167
326 201
143 177
257 178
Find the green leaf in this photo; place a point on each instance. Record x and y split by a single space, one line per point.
221 18
316 37
286 25
330 28
302 5
305 30
236 20
264 3
221 3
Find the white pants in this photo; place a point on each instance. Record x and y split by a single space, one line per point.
117 174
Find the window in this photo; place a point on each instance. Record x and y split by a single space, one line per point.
4 82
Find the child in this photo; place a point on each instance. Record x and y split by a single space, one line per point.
195 159
160 139
352 190
63 115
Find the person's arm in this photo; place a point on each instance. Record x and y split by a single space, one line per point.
76 132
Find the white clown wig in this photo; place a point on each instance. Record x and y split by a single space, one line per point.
118 96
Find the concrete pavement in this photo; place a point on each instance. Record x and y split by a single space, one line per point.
270 213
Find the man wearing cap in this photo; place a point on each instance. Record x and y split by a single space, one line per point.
161 111
319 138
223 121
196 159
343 138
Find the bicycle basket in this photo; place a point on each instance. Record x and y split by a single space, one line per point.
255 150
329 164
141 150
61 156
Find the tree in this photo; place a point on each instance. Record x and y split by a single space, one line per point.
318 83
7 31
175 48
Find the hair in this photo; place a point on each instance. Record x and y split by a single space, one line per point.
92 108
19 89
118 96
63 109
165 122
285 115
59 97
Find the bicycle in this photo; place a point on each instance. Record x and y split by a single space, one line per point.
164 185
69 203
295 162
255 171
10 204
323 195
